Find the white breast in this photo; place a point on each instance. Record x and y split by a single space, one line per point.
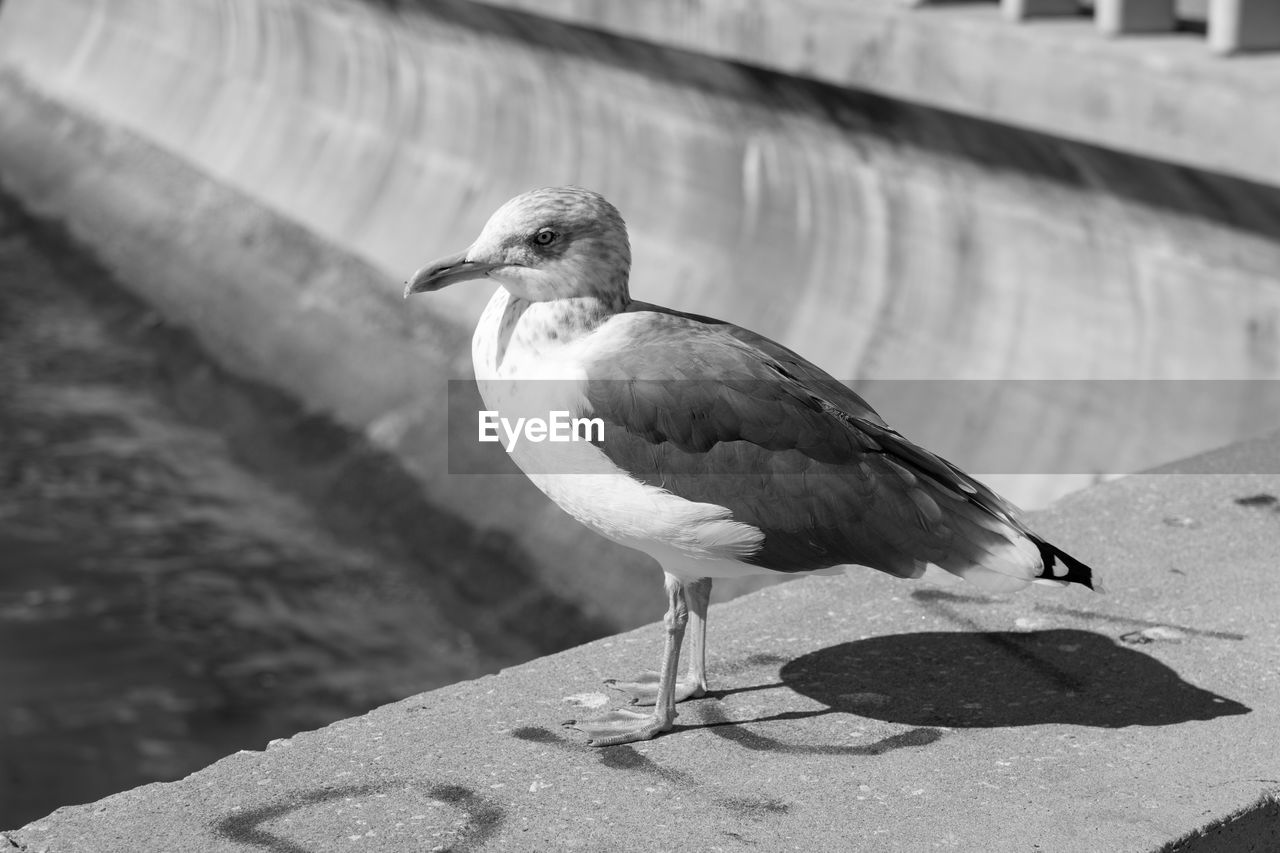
522 372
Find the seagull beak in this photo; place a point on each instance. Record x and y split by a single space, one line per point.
446 271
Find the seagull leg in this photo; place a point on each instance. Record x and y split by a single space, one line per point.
626 726
643 690
694 685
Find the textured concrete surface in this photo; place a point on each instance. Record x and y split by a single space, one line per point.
1159 95
848 713
268 175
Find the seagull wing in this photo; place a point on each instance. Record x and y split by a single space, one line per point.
717 414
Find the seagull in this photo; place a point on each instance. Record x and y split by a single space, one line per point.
723 453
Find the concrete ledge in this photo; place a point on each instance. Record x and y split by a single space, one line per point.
849 713
1161 95
106 123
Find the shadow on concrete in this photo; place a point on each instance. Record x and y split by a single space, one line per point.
246 827
937 680
991 679
714 720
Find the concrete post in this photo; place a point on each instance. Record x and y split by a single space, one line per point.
1119 17
1238 25
1018 10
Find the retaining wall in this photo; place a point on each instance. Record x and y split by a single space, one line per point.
269 173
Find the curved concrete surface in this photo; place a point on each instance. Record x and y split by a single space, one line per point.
1161 95
882 239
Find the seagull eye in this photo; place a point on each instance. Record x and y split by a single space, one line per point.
545 237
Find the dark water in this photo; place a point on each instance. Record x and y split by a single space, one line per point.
190 565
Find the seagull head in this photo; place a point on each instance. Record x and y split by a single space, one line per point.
547 244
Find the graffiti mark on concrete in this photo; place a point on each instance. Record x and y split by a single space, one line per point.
480 816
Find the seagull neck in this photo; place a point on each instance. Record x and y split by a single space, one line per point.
568 318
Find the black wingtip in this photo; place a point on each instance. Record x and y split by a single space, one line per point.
1077 572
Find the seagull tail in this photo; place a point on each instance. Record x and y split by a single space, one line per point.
1056 560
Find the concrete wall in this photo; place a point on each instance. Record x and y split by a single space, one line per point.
269 173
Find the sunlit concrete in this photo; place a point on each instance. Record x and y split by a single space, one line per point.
847 713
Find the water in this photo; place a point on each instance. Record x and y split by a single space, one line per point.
190 565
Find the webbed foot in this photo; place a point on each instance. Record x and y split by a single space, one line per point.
622 726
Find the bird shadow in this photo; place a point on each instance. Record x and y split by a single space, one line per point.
958 679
